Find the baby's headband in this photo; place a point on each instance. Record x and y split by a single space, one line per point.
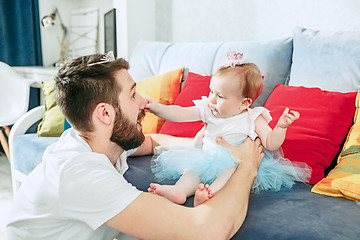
234 59
108 57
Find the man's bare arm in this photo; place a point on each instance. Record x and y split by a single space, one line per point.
153 140
152 217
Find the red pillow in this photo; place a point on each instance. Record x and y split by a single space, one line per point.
325 119
194 87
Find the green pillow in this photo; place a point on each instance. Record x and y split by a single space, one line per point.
53 123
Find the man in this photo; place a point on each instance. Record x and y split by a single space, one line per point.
78 191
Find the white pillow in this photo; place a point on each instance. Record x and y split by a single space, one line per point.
328 60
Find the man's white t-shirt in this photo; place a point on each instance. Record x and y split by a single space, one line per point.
71 194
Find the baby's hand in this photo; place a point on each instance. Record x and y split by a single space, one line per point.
152 106
198 139
287 118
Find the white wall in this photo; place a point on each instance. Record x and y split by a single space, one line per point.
49 36
135 21
141 22
224 20
103 5
204 20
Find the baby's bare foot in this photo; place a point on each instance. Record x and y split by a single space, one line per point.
202 194
167 191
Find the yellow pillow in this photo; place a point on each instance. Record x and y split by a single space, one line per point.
344 179
53 123
164 89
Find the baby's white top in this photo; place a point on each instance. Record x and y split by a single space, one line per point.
234 129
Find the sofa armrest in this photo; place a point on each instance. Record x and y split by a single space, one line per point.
24 123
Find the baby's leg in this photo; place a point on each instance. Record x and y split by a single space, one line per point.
182 189
205 192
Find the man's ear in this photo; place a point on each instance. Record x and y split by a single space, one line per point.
104 112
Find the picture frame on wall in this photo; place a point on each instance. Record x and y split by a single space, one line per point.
110 31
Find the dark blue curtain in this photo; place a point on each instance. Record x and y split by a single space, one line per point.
20 33
20 43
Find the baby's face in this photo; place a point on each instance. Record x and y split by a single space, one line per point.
224 97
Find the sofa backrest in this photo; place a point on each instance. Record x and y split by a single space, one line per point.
272 57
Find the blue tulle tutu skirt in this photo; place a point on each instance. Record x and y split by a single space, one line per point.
275 172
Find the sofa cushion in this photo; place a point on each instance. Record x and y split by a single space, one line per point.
325 119
328 60
344 179
146 59
164 89
273 58
194 87
53 123
154 58
28 151
288 214
197 57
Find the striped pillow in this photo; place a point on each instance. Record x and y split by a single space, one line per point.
344 179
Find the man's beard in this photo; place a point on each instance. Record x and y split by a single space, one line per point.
125 134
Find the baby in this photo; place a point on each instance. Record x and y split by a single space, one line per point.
226 113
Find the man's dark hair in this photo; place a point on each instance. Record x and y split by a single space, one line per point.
81 85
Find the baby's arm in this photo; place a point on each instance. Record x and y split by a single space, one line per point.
272 139
173 113
198 139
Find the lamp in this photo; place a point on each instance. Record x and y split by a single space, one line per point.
48 21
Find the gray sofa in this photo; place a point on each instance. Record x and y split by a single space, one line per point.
289 214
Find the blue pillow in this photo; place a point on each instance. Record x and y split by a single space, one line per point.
273 58
324 59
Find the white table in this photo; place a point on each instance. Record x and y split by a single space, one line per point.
36 75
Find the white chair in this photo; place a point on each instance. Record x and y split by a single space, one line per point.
14 101
18 130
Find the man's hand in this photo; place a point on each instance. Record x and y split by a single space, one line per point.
249 154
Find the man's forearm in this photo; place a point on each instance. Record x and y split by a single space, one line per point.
163 139
241 181
153 140
218 218
231 202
